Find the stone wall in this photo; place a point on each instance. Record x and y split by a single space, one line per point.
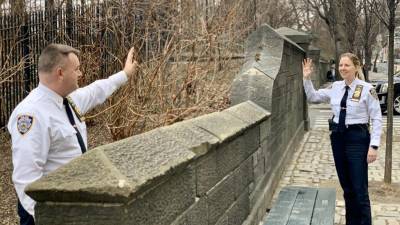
272 78
221 168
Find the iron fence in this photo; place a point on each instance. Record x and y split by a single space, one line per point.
23 37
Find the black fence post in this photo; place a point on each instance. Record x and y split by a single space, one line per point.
69 16
26 57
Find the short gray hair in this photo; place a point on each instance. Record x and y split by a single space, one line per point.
53 55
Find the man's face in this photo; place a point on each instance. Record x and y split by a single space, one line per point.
71 73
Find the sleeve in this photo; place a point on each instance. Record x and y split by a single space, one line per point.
375 115
313 96
97 92
30 147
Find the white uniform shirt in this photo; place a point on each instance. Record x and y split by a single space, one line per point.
359 110
43 139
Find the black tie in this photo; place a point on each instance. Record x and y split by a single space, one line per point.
72 121
342 115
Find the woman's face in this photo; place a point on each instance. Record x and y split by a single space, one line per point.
347 68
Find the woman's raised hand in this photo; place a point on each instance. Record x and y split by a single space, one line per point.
307 68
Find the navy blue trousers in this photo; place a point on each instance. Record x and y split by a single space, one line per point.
24 217
350 149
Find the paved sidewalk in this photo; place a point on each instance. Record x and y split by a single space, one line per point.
312 165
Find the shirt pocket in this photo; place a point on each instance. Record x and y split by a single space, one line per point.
354 108
64 140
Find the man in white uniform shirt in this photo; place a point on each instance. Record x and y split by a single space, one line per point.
47 128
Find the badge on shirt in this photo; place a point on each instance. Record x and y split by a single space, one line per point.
357 93
78 113
373 93
24 123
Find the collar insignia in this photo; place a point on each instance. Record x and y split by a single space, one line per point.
78 113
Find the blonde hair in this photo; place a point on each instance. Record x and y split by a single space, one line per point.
356 62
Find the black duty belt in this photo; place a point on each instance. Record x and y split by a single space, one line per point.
358 126
362 126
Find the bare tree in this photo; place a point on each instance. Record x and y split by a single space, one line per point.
288 15
341 17
368 34
385 11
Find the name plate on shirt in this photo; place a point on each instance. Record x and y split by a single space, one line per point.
357 93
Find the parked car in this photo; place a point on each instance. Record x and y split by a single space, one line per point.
381 87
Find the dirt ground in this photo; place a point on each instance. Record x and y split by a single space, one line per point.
97 134
378 191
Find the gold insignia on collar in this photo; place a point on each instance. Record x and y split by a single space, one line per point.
373 93
357 93
24 123
78 113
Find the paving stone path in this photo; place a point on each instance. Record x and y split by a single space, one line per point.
312 165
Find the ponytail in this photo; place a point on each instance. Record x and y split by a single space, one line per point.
360 74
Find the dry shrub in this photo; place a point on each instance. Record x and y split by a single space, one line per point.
189 52
188 58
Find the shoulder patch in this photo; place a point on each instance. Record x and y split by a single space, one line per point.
24 123
373 93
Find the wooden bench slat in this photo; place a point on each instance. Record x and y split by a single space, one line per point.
324 210
303 207
280 213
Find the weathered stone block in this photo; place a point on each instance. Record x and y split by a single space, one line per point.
265 129
240 210
147 156
206 173
243 176
190 135
232 154
79 214
165 203
249 112
195 215
259 170
221 124
90 178
224 220
220 198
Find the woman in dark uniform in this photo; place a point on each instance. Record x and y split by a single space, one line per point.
354 103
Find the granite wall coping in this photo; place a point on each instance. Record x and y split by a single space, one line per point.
121 171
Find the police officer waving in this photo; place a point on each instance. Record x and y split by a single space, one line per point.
354 103
48 128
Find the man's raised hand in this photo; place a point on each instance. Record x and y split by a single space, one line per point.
131 64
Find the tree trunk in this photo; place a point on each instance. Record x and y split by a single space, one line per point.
389 131
367 44
376 59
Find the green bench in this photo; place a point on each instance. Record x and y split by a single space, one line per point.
303 206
